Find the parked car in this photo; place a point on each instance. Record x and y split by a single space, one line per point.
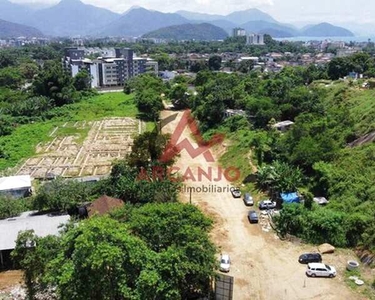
320 270
248 200
267 204
253 216
236 192
225 263
310 258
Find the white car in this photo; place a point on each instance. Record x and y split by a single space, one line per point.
225 263
267 204
320 270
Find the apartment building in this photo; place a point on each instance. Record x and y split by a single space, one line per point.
109 71
255 39
236 32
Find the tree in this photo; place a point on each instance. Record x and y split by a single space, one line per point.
6 125
10 77
28 70
61 195
211 111
32 255
140 186
147 149
179 96
149 103
214 63
82 81
55 84
179 234
100 259
245 66
10 207
279 178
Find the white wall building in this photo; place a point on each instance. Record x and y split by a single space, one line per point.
255 39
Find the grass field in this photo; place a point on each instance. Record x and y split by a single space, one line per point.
22 142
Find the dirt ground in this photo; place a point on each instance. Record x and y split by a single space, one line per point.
10 279
263 266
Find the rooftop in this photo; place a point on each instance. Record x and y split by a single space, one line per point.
283 124
15 182
43 225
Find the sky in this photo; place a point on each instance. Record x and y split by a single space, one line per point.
291 11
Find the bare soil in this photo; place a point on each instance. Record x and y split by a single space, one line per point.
9 279
263 266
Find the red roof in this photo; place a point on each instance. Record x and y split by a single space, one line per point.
104 205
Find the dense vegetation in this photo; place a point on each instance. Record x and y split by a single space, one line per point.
153 247
313 157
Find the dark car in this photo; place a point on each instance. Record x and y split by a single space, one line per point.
252 216
310 258
248 200
236 192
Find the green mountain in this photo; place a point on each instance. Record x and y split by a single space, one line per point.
253 14
10 29
276 30
325 30
71 17
139 21
202 32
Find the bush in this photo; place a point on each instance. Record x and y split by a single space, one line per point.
10 207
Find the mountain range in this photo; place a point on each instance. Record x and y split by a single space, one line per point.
199 32
75 18
10 29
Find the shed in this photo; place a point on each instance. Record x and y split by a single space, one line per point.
16 186
283 126
43 225
290 198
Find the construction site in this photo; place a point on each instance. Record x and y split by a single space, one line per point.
71 156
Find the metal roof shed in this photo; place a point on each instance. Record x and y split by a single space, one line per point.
15 183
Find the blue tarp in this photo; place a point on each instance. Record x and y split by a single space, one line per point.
290 197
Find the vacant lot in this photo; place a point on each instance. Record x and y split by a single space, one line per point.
71 120
106 141
263 267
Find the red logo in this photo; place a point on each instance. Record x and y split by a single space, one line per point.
174 148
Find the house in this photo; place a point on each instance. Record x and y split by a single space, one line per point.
234 112
16 186
283 126
103 206
43 225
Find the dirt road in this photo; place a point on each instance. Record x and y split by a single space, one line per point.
263 266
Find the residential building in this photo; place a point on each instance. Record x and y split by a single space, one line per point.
255 39
108 71
238 32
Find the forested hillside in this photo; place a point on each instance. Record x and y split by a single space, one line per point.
314 157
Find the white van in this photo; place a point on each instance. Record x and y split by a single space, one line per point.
320 270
